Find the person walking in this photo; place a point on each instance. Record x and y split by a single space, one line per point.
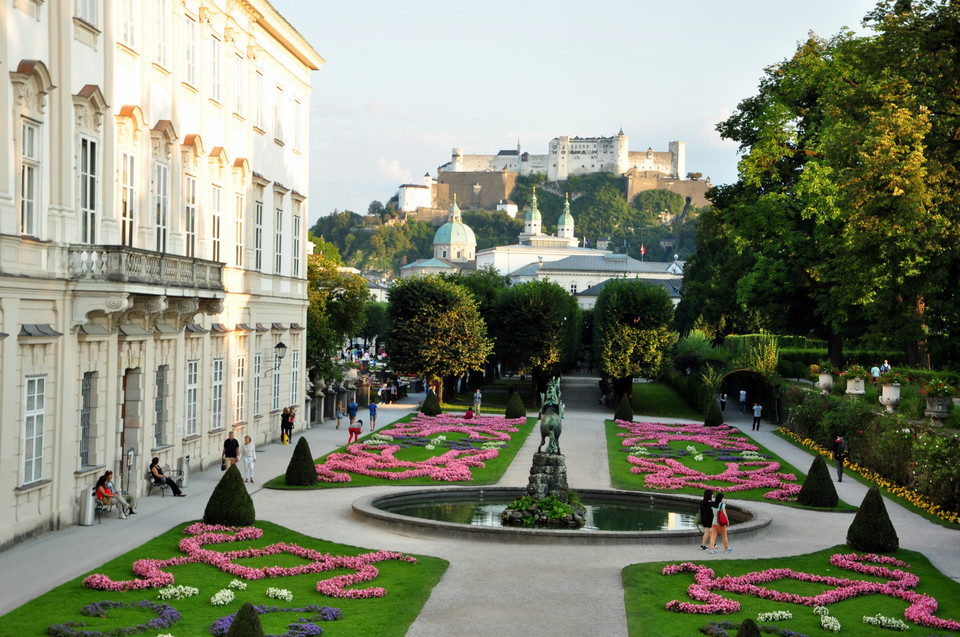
706 518
352 409
249 455
743 400
757 410
373 415
284 425
720 522
477 397
723 403
355 429
231 451
339 413
840 452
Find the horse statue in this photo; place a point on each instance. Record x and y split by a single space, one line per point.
551 417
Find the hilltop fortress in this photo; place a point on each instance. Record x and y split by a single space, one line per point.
486 181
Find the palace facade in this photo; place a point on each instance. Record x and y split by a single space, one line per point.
153 240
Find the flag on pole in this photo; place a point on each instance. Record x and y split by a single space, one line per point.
586 241
643 250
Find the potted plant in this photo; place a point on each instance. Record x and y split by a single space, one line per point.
855 375
824 374
890 391
938 394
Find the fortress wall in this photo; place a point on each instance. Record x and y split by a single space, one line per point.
696 190
475 189
653 162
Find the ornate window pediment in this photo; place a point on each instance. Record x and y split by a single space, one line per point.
191 150
241 170
130 124
89 107
31 84
219 163
163 137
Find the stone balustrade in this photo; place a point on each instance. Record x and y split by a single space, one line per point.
130 265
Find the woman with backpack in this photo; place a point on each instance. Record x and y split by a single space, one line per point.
706 518
720 522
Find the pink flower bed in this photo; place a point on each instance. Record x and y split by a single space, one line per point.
898 585
669 473
380 461
151 575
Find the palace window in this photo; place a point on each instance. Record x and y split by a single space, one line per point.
29 177
258 101
258 237
190 214
161 206
127 198
127 22
161 34
257 364
159 405
296 246
33 414
278 115
87 11
294 377
216 403
240 394
86 417
215 219
190 50
238 229
216 69
278 241
192 396
88 190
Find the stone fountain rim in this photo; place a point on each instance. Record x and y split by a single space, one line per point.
753 522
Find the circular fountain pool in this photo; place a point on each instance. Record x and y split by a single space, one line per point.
612 516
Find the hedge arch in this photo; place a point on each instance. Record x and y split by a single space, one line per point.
756 384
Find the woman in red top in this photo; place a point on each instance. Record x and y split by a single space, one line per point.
108 497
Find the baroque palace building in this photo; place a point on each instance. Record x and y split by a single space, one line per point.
153 240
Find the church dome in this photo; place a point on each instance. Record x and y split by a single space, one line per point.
455 231
566 219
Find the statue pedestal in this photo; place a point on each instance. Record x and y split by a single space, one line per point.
548 476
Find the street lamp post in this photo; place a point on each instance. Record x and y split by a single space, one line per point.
279 351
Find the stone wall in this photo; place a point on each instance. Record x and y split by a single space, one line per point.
638 182
474 189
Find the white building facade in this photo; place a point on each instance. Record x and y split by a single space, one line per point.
153 233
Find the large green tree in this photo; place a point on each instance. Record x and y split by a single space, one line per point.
848 181
536 327
632 320
336 306
435 329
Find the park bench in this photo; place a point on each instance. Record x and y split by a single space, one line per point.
163 486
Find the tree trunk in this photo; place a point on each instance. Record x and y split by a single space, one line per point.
835 350
917 354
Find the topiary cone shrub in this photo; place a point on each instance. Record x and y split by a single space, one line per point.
624 409
230 504
748 628
301 470
871 530
431 405
818 489
246 623
515 408
713 418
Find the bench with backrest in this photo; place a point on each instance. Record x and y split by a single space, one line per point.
163 486
101 507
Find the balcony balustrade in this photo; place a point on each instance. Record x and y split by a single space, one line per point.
123 264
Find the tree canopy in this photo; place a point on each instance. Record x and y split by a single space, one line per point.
536 327
436 330
846 205
632 319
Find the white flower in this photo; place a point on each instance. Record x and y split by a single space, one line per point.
691 449
830 623
774 616
238 585
890 623
223 597
430 447
698 457
177 592
280 593
821 610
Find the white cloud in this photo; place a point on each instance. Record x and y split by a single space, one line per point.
390 170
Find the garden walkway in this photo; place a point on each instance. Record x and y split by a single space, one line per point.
491 588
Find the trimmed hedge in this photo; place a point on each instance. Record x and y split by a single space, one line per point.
246 623
818 489
301 470
624 409
713 418
230 503
431 405
515 408
871 530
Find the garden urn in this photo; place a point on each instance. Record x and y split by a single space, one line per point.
855 387
826 383
938 407
890 396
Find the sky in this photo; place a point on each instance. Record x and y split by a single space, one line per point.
406 81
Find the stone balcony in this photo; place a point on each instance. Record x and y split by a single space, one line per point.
123 264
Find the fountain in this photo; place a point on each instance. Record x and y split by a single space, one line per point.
606 516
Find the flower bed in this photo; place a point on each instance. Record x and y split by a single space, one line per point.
465 445
648 449
152 575
872 476
898 584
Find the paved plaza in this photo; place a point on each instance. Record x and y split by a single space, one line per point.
490 588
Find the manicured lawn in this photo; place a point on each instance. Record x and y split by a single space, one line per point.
407 585
660 400
713 463
413 449
647 591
